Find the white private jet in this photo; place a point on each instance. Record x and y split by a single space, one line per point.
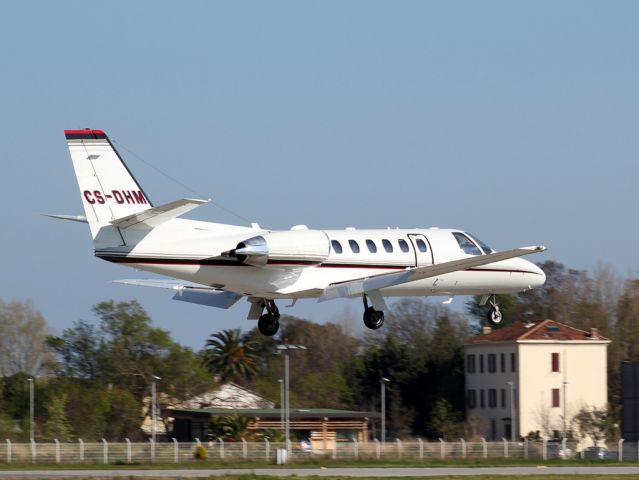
218 264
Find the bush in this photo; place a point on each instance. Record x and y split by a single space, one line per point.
200 453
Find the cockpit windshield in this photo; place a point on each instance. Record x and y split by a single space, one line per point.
483 246
466 244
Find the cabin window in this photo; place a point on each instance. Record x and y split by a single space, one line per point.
371 246
421 245
388 246
403 246
466 244
337 247
354 246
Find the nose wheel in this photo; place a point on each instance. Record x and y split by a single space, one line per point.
269 323
373 319
494 315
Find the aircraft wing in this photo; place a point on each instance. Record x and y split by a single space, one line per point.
157 215
190 292
384 280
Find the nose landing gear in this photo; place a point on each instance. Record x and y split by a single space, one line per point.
494 315
269 323
373 319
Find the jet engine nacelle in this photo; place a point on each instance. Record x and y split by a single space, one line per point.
306 247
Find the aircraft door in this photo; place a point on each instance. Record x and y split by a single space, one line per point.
422 249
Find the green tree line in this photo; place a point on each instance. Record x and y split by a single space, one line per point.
92 379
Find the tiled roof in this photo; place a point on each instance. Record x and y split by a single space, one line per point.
546 330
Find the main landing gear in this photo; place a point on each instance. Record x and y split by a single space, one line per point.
269 322
494 315
373 319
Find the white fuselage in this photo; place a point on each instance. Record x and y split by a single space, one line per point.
309 260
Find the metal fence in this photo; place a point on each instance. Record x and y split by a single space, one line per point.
270 452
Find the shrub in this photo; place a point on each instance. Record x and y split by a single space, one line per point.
200 453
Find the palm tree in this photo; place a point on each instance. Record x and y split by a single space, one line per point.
231 356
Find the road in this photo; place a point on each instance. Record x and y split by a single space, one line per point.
322 472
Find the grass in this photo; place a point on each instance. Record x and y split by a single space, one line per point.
319 463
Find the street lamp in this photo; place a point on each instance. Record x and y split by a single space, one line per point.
31 409
286 349
565 384
383 381
513 411
153 408
281 382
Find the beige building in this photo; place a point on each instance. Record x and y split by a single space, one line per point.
538 373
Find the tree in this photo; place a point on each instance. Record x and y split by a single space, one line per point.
445 422
78 349
231 428
57 425
23 339
230 355
592 422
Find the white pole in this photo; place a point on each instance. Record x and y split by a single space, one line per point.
281 382
153 410
383 381
287 403
513 412
31 410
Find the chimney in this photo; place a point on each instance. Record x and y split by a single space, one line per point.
594 333
485 330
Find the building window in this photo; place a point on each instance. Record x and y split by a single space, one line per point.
354 246
470 364
388 246
482 399
481 364
337 247
554 361
492 363
502 361
403 246
472 399
555 398
492 398
503 398
513 363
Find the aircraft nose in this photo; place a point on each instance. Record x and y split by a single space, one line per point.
537 275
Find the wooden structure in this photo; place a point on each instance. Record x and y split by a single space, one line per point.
322 426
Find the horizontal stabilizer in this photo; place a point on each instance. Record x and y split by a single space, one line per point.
73 218
384 280
190 292
155 216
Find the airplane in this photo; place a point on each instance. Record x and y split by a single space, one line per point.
217 264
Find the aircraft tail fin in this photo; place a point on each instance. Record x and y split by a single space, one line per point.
108 189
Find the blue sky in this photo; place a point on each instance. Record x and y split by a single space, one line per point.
516 121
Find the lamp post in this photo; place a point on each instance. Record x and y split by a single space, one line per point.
286 349
31 410
153 408
565 384
383 381
281 382
513 411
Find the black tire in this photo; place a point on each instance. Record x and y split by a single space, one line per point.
373 319
494 316
268 325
